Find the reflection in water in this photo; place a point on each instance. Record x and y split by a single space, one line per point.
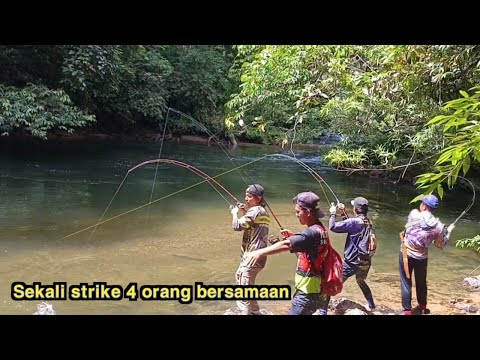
49 194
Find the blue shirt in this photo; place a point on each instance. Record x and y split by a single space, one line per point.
353 227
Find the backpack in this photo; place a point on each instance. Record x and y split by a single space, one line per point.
368 242
332 276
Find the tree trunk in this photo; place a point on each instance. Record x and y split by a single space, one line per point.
233 141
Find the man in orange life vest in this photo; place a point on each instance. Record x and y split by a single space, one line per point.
310 246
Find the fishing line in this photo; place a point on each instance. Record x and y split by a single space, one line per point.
154 201
317 177
470 205
156 168
230 157
219 142
174 162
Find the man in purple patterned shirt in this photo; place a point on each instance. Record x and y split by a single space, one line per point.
421 230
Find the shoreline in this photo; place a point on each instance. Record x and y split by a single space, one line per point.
453 300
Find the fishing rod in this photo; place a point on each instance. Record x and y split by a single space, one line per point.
193 169
215 137
317 177
229 155
154 201
469 205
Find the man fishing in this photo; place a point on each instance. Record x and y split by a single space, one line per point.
310 246
358 248
420 231
255 226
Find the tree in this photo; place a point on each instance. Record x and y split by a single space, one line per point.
37 109
461 128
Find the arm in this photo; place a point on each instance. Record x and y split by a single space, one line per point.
444 236
244 222
341 226
276 248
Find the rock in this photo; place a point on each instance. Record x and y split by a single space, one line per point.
355 312
472 282
466 307
236 311
44 309
455 300
340 306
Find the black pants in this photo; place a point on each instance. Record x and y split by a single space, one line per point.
419 267
360 271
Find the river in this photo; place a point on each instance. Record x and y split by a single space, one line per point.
55 190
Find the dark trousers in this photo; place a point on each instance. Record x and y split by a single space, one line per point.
360 271
419 267
307 304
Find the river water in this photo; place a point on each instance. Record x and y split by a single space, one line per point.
53 191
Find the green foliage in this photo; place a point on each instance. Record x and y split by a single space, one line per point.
122 82
374 95
199 84
127 84
38 110
341 158
473 243
461 129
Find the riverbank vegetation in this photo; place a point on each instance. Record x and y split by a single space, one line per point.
403 111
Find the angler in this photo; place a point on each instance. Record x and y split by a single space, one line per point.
421 229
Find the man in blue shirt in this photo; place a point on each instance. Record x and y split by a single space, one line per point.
358 248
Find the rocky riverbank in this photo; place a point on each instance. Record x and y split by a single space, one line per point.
462 299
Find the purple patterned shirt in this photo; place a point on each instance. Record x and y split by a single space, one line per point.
418 236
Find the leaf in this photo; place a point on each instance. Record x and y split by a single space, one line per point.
261 127
464 94
466 164
229 123
476 153
455 174
440 191
415 199
436 119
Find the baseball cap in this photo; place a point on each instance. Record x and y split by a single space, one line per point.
360 204
430 200
309 200
255 189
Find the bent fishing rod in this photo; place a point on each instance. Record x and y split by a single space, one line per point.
228 154
202 174
154 201
193 169
316 176
469 205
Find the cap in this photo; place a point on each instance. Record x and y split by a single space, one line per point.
309 200
255 189
430 200
360 204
